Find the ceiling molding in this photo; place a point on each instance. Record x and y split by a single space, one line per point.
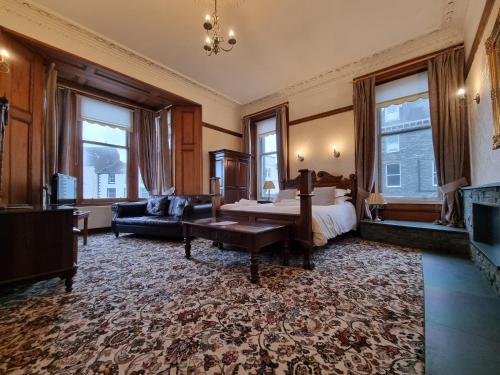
46 19
428 43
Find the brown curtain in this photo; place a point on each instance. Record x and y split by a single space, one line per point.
164 154
449 130
365 135
248 148
282 144
67 156
148 150
50 151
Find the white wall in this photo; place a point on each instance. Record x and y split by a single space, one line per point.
314 141
485 162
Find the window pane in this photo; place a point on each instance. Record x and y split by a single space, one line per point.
99 163
143 193
267 143
406 149
104 134
268 172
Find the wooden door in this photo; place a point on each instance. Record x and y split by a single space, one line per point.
243 177
22 155
187 131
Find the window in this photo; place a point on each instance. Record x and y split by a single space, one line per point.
406 153
111 193
105 141
392 143
267 168
393 175
143 193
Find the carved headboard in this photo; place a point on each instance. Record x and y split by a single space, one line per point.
322 179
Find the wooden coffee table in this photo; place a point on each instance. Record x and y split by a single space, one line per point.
252 237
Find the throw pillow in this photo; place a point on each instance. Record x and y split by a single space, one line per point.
157 205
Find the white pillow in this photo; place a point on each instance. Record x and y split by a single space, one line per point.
324 196
342 192
288 202
341 200
285 194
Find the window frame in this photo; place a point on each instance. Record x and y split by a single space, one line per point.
130 147
378 148
260 157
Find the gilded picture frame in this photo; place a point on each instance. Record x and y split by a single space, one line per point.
493 53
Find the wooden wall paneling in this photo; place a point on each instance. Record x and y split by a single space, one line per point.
22 159
411 212
187 134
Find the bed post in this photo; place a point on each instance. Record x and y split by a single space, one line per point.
305 223
215 193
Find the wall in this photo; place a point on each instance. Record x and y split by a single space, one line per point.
314 140
485 162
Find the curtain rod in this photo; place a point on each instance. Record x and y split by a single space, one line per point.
409 62
103 98
266 110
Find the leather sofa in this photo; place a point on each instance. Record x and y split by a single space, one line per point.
133 217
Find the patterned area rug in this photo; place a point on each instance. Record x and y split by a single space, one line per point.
139 306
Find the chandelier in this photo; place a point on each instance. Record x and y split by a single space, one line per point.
214 43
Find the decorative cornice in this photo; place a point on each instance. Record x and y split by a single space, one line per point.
428 43
48 20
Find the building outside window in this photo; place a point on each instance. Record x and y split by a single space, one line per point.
105 128
267 167
111 193
405 153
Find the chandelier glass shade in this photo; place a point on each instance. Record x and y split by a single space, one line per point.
215 42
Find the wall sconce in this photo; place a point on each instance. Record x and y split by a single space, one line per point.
336 154
463 96
301 158
4 64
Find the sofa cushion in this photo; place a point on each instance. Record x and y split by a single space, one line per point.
157 205
149 220
176 205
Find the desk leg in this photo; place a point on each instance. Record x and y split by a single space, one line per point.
85 230
286 252
187 243
254 266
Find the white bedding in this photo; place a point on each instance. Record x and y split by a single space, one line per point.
328 221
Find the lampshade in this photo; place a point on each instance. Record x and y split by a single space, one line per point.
268 185
376 198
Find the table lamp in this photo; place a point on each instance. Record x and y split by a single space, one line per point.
268 185
376 200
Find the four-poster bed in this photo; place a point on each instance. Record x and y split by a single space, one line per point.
300 223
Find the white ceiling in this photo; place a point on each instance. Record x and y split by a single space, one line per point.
280 42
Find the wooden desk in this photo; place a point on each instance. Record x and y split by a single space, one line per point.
252 237
77 216
36 244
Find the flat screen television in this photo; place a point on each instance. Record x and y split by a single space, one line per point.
63 189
